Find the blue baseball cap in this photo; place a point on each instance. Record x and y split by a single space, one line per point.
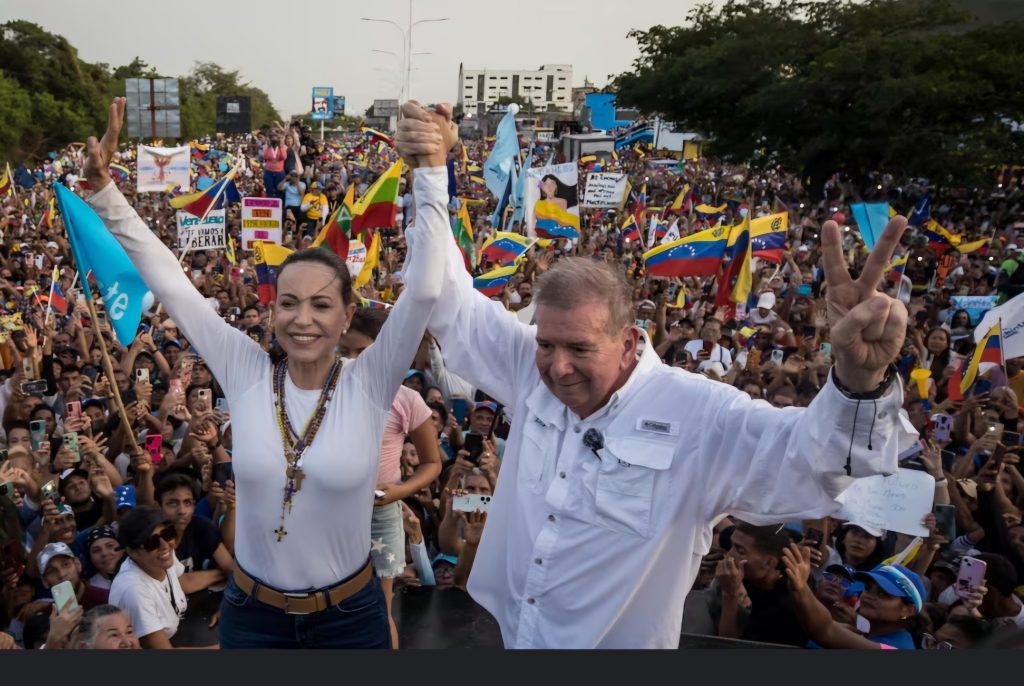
450 559
487 405
414 372
898 581
125 496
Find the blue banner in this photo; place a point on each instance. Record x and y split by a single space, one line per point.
323 103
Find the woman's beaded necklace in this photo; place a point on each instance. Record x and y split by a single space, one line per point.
295 446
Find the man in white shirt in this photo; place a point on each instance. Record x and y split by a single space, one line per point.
617 466
706 349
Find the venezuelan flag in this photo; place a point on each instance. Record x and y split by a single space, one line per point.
120 172
229 251
268 258
554 222
373 304
684 193
897 267
476 174
989 349
200 204
5 181
48 213
504 247
630 230
974 246
57 300
696 255
939 239
768 236
375 136
738 279
377 208
491 283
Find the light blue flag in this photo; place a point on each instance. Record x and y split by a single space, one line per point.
125 294
498 166
871 218
517 199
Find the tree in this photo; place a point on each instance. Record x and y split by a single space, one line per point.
911 86
199 91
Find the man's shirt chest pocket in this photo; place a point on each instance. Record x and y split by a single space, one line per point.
624 491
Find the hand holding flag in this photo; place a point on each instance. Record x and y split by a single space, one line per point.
868 327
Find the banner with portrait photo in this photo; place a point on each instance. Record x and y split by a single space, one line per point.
162 169
552 201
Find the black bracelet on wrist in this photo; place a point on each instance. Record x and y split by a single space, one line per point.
890 374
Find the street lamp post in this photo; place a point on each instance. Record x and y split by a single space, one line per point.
406 44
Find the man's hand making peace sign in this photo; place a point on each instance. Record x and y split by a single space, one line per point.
867 326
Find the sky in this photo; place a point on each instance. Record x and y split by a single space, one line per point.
286 49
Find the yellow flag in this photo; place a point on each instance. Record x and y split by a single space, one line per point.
372 260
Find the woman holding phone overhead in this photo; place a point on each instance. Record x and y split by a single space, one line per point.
307 424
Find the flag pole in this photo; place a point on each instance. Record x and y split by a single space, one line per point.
109 368
49 299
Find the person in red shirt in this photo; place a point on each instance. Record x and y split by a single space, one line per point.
274 156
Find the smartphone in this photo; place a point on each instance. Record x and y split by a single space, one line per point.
995 432
1011 438
805 290
471 503
707 346
460 407
777 357
49 491
205 396
63 595
153 445
101 317
940 425
826 349
174 386
222 405
474 443
972 573
38 431
71 443
142 375
813 537
945 521
7 490
73 409
34 387
948 458
223 472
28 368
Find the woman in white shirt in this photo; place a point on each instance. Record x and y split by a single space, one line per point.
307 424
147 586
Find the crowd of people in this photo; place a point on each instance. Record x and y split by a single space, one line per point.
136 513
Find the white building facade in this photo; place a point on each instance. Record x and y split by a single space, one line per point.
551 85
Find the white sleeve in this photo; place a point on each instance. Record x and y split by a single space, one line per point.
383 365
482 342
767 465
233 357
451 385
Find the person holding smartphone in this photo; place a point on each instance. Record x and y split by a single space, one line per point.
706 349
307 424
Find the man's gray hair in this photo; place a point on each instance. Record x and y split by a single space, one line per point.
577 281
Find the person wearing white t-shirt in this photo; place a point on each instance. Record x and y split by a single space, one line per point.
763 314
710 333
147 584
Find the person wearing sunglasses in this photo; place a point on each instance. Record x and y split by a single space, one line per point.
147 585
892 601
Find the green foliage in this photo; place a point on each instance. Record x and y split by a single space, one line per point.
912 86
49 97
